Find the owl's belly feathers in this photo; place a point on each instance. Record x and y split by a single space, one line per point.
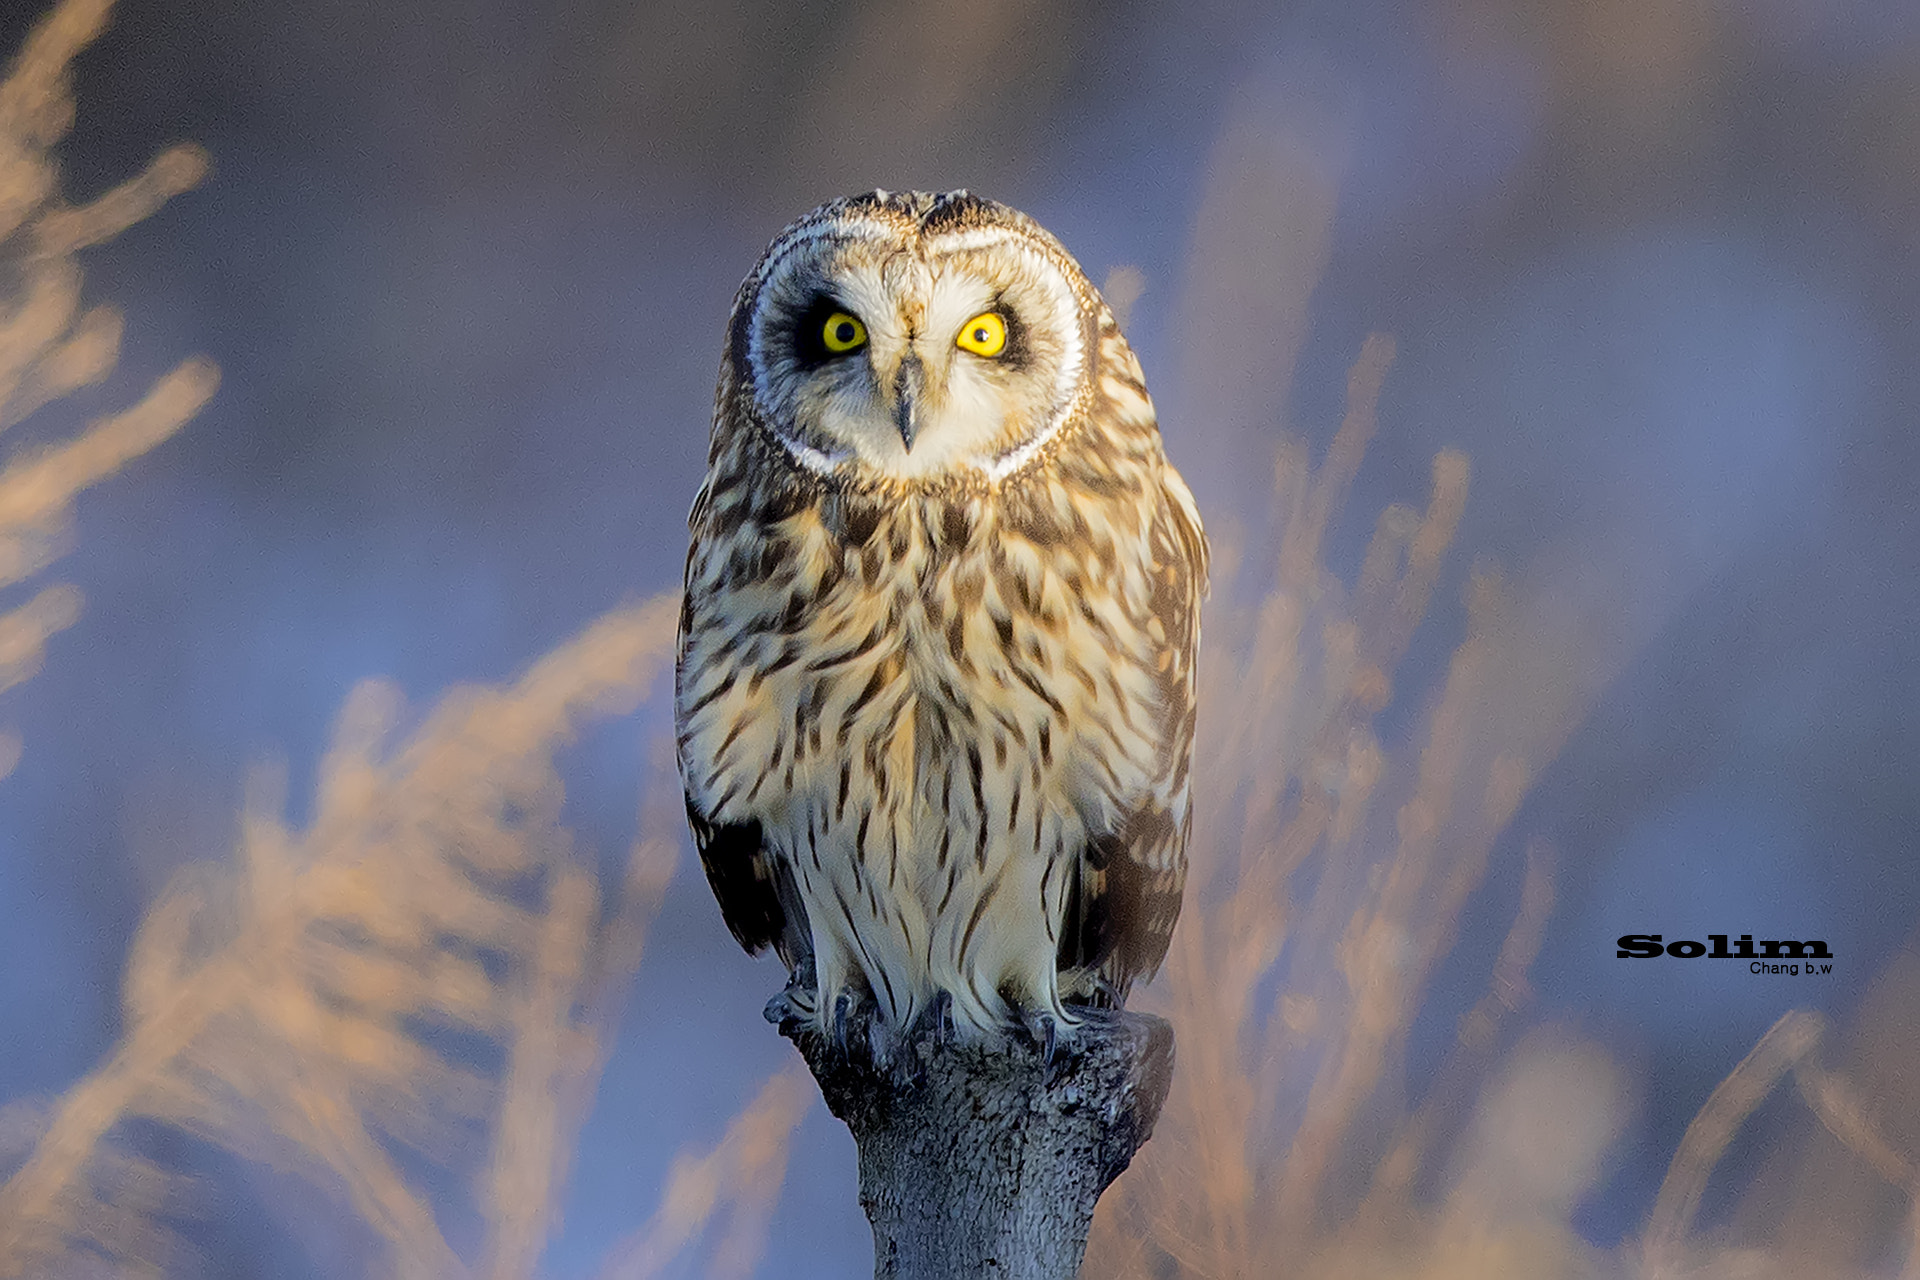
928 723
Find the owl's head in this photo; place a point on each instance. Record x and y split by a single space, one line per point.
915 337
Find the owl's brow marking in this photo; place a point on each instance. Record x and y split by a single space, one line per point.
807 237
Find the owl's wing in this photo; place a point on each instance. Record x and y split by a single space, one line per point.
745 881
1120 917
741 877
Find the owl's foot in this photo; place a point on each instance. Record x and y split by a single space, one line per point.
1044 1030
798 1004
856 1028
1057 1038
933 1029
846 1010
939 1019
859 1034
791 1008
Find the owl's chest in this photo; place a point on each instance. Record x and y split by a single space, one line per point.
952 637
941 674
901 605
954 617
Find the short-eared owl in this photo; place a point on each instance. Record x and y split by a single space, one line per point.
935 683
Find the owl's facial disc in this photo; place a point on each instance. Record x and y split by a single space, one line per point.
904 355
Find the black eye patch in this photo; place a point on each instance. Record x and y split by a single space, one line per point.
808 332
1018 353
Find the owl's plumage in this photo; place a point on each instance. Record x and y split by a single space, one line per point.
935 685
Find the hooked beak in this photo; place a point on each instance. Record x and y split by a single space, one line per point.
908 382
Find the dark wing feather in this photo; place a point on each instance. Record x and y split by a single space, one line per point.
1126 896
742 881
1122 906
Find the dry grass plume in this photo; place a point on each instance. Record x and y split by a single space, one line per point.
51 345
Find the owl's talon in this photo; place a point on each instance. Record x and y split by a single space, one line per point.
893 1058
1057 1041
942 1015
845 1006
934 1024
1044 1029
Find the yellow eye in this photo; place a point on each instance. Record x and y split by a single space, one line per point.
843 333
984 335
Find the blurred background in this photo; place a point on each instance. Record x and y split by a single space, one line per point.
1650 265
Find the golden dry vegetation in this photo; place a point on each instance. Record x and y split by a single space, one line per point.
51 346
1327 885
425 966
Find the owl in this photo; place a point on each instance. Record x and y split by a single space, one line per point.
934 687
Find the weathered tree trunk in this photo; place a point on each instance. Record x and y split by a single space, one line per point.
980 1160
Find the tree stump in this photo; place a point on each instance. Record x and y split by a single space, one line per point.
981 1159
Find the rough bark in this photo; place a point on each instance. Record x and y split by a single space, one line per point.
983 1160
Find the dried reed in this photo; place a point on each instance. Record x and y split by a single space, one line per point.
425 962
1329 878
729 1193
49 346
